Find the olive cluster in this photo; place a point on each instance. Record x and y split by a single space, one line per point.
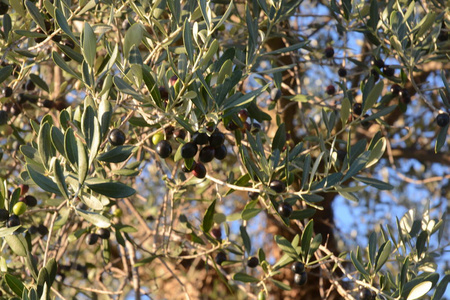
211 147
300 275
102 233
12 218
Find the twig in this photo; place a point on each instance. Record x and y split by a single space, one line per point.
134 271
176 278
87 289
232 186
47 246
57 293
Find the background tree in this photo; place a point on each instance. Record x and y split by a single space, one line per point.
197 149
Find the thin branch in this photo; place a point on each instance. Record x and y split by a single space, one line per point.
134 271
232 186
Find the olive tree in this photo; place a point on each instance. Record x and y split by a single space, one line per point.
194 149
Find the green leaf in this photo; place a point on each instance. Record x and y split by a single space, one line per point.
14 283
315 166
31 34
30 260
302 214
70 146
151 86
42 181
281 285
33 294
383 255
41 282
358 264
64 119
204 83
126 172
126 88
93 202
213 48
373 96
7 25
383 112
82 161
106 89
88 44
87 75
125 228
244 277
306 239
18 7
356 166
256 113
345 110
374 15
60 179
5 72
249 213
279 141
315 244
136 58
445 99
425 24
52 268
378 184
208 218
35 14
276 70
286 246
45 147
206 12
104 113
441 287
372 247
377 152
288 49
442 137
133 37
225 71
76 56
95 142
50 8
348 195
4 231
238 100
58 139
39 82
225 16
117 154
17 243
421 243
187 39
25 295
25 53
112 189
95 218
446 89
32 155
284 261
420 290
62 22
63 65
246 240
